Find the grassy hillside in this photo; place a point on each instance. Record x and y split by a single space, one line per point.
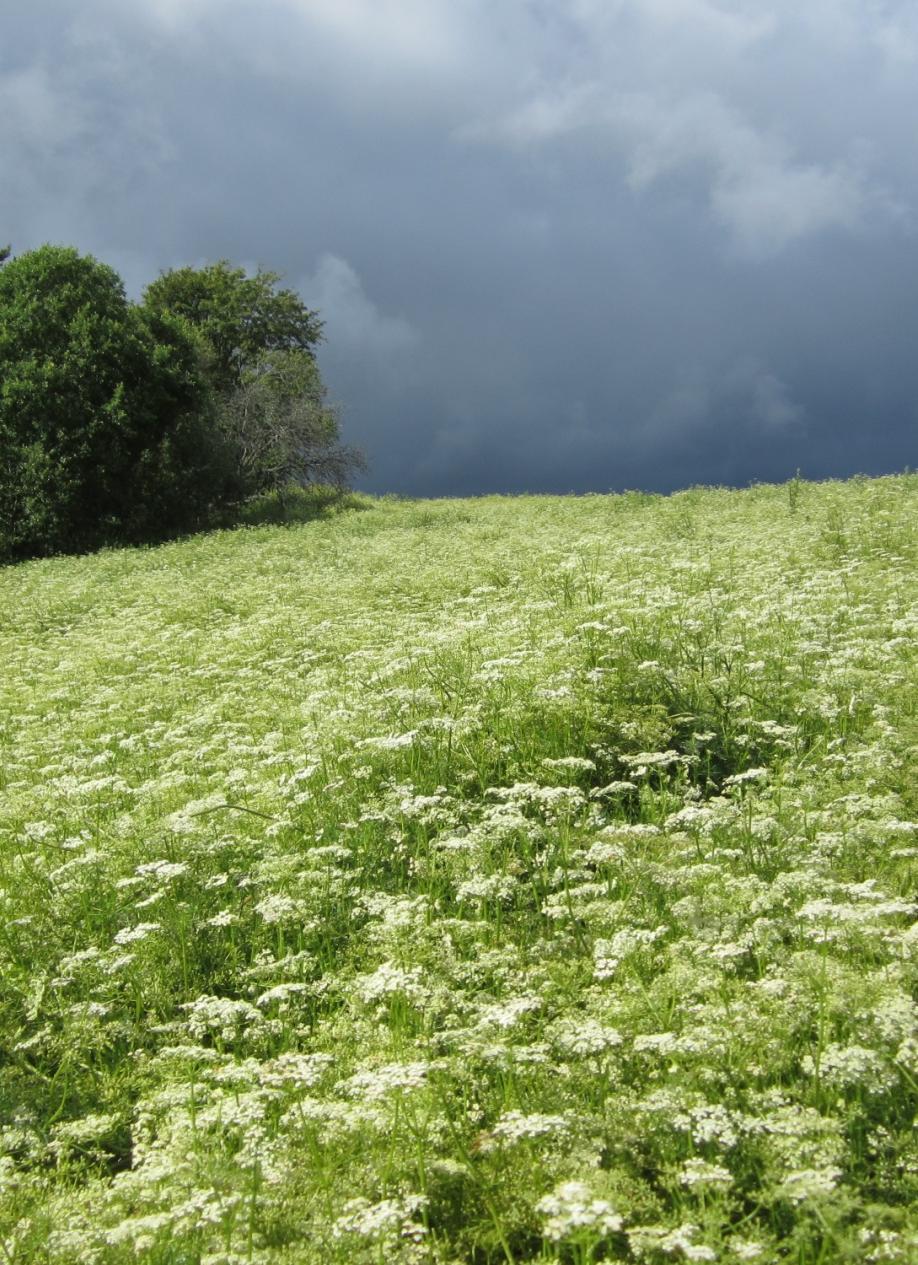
507 880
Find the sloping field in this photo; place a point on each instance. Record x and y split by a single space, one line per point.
507 880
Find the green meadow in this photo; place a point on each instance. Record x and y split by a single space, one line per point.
504 880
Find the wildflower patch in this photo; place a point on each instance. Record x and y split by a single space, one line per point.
540 890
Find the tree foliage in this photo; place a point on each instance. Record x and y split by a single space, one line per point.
258 341
240 318
105 432
283 431
125 422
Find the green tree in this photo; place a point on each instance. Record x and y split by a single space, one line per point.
283 430
240 318
4 253
105 433
257 341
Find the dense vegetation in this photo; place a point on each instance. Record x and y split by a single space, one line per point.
124 422
502 881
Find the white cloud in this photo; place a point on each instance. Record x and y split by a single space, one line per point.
746 396
768 206
757 188
672 86
58 139
372 57
550 114
656 87
352 320
771 407
175 14
897 39
36 112
736 24
412 33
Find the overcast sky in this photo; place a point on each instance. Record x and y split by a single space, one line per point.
559 245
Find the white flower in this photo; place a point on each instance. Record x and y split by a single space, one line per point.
377 1082
907 1055
642 762
569 1209
279 908
280 993
36 831
128 935
86 1129
387 1219
662 1043
225 918
390 742
580 1037
746 1249
295 1071
161 870
506 1014
647 1240
619 787
747 775
609 954
806 1184
391 980
223 1015
850 1065
497 887
680 1241
712 1122
696 1172
516 1126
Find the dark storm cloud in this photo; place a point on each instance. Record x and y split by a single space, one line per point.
558 246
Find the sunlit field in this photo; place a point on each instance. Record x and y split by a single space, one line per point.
504 880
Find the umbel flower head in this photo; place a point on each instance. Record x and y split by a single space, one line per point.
571 1209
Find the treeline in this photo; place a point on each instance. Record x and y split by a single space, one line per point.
127 422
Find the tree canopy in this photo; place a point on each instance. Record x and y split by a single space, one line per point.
282 429
102 409
124 422
257 340
240 318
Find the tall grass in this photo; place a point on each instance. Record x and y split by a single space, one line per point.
507 880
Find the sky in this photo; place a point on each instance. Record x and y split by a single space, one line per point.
558 245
